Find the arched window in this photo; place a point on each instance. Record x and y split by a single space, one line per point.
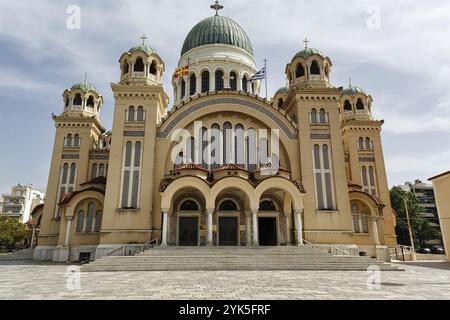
90 217
183 89
300 71
90 101
227 143
140 113
73 168
153 68
203 156
267 205
98 221
67 102
373 189
360 219
314 116
215 146
101 170
80 221
125 67
190 150
239 147
205 81
251 150
69 140
364 179
189 205
136 174
244 84
359 105
139 65
219 80
77 101
280 103
76 140
192 84
233 81
322 116
126 174
131 113
94 171
323 176
361 143
347 106
315 70
228 205
368 144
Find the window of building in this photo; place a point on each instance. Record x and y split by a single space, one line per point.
219 80
360 219
359 105
323 175
192 85
189 205
77 100
131 174
313 116
205 81
233 81
300 71
347 106
315 70
139 65
228 205
153 68
369 180
245 84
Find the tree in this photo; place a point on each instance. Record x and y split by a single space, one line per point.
12 232
421 228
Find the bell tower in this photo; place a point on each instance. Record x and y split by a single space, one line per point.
140 105
78 128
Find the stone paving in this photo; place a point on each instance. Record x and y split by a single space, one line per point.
30 280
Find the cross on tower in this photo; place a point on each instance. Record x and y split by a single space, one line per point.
349 82
85 77
144 37
306 43
216 6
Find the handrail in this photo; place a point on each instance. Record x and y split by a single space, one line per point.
143 247
331 247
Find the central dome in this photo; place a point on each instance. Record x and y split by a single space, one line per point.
217 29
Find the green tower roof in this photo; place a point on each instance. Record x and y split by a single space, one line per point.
351 91
143 47
217 29
85 86
282 90
307 52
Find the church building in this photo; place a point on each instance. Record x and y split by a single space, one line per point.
220 165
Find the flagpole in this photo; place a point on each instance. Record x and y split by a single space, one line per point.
265 68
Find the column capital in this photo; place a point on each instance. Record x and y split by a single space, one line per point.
210 210
374 218
298 210
255 210
165 211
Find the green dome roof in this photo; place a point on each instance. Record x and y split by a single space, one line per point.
143 47
217 29
307 52
282 90
351 91
85 86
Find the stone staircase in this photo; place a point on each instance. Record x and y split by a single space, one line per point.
234 258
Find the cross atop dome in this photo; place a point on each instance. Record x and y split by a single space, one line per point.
143 38
217 6
306 41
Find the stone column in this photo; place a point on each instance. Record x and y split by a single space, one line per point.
248 228
164 227
255 226
375 235
299 227
209 224
69 224
288 228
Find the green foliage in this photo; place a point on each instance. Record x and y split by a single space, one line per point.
12 232
421 229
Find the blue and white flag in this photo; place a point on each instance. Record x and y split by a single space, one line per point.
261 74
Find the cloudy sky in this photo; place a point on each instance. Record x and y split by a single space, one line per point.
398 51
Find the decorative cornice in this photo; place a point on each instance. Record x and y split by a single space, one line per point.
127 133
70 156
321 136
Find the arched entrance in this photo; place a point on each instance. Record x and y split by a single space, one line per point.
228 223
189 215
268 223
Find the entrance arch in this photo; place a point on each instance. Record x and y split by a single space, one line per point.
268 222
228 222
188 222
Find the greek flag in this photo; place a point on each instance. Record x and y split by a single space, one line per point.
261 74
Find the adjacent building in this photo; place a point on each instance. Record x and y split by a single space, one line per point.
441 184
21 201
425 195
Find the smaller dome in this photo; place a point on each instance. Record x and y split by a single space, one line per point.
282 90
143 47
351 91
307 52
85 87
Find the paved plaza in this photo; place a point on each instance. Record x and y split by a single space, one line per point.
30 280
